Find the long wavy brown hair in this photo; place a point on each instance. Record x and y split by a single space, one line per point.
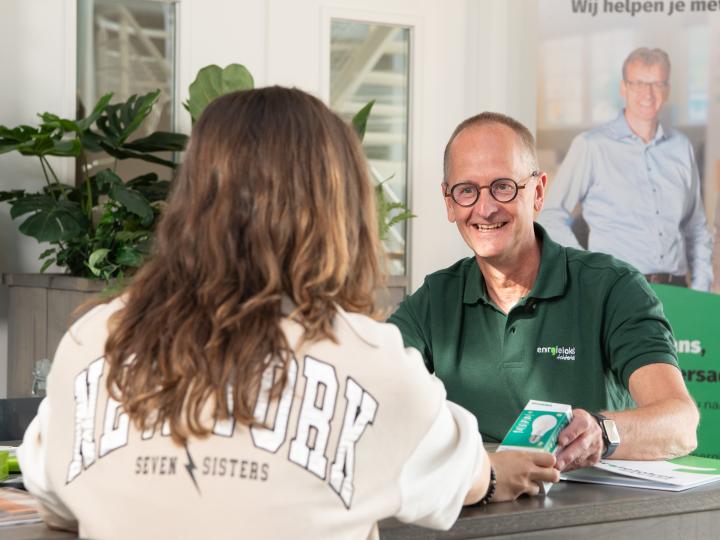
273 200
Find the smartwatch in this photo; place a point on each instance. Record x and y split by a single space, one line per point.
610 435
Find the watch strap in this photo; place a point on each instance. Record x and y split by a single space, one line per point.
608 446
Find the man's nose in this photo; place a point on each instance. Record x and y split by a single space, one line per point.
646 89
486 204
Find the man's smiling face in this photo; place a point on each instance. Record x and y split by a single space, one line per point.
645 91
496 232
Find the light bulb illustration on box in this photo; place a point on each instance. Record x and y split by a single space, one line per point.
541 425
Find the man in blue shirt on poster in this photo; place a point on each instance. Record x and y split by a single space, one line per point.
638 185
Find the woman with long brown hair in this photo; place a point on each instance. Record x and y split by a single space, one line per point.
239 387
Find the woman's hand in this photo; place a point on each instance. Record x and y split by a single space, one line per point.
520 472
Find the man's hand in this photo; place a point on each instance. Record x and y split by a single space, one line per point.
519 472
581 442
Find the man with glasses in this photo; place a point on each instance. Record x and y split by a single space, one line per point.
637 184
526 318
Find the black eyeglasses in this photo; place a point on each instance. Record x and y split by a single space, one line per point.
639 86
503 190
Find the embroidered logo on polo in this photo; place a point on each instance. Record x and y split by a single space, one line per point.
558 352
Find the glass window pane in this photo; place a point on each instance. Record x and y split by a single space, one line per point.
127 47
371 62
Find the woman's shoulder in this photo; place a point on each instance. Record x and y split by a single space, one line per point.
376 334
95 320
380 347
85 339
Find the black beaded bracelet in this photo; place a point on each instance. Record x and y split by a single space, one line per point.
491 487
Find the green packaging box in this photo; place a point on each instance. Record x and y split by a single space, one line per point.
537 428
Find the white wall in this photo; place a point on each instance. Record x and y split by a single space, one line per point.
37 70
219 32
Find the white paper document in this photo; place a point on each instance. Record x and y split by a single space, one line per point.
674 475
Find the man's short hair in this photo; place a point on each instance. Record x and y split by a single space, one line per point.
649 57
527 141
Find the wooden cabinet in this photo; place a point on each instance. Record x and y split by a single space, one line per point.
39 313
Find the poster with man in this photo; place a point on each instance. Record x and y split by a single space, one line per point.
629 134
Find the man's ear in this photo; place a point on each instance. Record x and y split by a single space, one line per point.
540 187
448 203
623 90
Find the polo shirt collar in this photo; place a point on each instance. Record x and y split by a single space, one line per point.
619 129
551 280
474 285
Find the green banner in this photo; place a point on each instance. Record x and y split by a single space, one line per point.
695 319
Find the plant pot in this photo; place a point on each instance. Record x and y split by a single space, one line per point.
39 313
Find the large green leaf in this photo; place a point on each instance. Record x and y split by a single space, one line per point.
131 236
143 180
105 179
16 138
212 82
160 141
359 121
54 122
31 203
7 147
118 121
96 257
12 195
91 141
150 187
17 134
89 120
121 152
133 201
63 221
129 256
110 183
66 148
47 264
36 146
43 141
134 113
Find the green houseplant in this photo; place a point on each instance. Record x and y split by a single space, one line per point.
389 212
101 225
98 226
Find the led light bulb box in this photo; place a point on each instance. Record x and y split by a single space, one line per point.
537 428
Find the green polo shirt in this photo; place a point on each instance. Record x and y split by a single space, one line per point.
588 323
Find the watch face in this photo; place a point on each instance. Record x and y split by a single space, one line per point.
611 431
